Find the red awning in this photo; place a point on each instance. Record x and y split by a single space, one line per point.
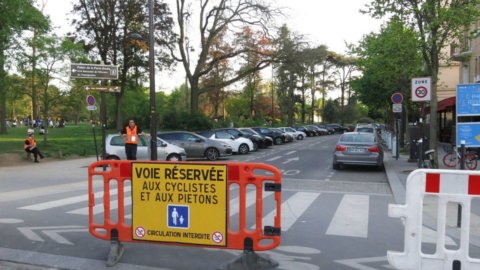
446 103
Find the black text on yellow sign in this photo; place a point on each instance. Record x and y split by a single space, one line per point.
180 203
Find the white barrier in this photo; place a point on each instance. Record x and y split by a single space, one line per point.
452 186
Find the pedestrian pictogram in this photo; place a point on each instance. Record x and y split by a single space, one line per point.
178 216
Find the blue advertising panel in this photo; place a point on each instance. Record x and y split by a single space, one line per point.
470 132
468 99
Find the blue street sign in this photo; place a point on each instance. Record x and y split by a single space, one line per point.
178 216
397 98
470 133
468 99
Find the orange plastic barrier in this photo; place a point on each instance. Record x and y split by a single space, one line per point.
263 177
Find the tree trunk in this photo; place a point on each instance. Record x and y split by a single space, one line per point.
3 90
34 71
194 93
433 115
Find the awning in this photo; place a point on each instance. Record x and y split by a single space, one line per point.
446 103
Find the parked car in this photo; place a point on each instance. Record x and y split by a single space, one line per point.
239 145
318 130
309 132
278 137
288 137
337 128
196 145
299 135
257 140
330 130
365 128
358 148
165 151
268 140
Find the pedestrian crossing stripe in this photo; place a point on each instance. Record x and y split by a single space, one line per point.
349 220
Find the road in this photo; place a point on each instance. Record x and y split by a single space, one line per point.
330 219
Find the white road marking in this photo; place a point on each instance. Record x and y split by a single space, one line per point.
351 217
293 208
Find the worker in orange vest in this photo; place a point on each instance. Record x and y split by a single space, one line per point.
131 132
30 145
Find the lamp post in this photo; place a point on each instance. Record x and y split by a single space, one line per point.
153 105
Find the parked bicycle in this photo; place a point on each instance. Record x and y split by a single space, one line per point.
452 158
427 161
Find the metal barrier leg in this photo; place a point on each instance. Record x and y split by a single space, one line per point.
116 250
249 260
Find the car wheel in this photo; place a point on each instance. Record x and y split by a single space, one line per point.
174 157
300 137
278 140
112 158
243 149
336 166
212 154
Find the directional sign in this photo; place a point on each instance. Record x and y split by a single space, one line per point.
92 71
113 89
421 89
180 203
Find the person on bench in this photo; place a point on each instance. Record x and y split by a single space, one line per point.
30 145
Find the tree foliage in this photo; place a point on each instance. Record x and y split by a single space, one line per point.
438 23
388 60
215 18
17 15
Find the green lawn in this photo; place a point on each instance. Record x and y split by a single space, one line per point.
70 141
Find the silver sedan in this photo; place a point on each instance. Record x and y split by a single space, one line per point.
358 148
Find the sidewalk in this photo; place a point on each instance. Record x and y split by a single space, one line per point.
397 172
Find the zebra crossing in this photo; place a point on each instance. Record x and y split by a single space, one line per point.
350 217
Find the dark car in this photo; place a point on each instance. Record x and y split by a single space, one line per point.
278 137
358 148
268 140
320 131
307 131
258 141
196 145
330 130
337 128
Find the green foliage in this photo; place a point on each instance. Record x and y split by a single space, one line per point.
73 140
330 113
186 121
388 61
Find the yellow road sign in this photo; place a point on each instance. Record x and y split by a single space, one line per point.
180 203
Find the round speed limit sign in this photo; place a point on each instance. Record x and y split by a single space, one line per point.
421 92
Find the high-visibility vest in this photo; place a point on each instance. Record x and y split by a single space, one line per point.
132 136
29 143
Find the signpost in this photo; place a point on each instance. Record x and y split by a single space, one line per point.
180 203
111 89
93 71
97 72
421 89
468 105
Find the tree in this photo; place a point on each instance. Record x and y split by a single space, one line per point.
386 65
438 23
17 15
222 17
343 73
112 29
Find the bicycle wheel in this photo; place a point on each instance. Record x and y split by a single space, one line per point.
470 162
450 160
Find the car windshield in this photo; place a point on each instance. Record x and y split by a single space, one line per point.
365 129
355 137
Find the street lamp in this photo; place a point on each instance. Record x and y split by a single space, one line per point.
153 105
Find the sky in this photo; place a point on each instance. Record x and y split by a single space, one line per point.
322 22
